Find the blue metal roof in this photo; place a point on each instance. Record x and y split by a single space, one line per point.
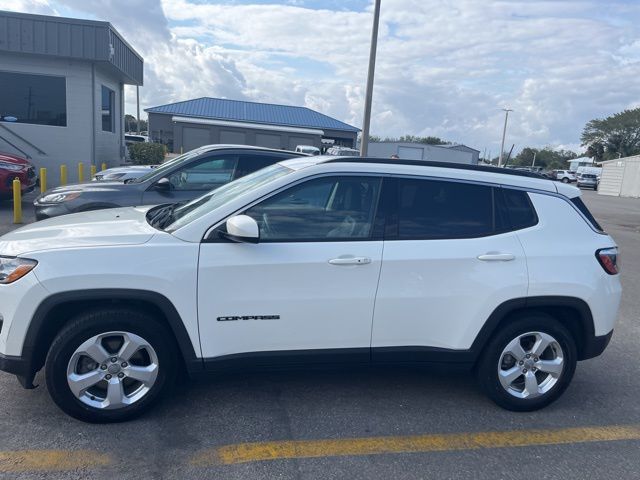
240 111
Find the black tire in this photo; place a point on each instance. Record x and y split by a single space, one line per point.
91 323
565 180
487 368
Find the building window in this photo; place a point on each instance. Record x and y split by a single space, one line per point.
108 97
37 99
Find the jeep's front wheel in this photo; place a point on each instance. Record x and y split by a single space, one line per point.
110 365
529 364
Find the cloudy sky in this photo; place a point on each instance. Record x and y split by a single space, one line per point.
445 67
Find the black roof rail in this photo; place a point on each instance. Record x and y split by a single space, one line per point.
429 163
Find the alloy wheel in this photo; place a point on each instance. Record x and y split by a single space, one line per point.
112 370
530 365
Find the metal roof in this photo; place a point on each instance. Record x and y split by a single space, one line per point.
241 111
61 37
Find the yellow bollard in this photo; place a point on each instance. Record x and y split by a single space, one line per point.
17 201
63 174
80 172
93 171
43 180
104 166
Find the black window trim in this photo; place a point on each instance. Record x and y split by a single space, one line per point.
377 232
390 223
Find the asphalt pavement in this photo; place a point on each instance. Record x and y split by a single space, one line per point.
373 424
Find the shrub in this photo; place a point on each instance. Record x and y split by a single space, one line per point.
146 153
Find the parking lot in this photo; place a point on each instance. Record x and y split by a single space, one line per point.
382 423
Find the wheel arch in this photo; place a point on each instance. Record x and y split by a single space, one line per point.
572 312
56 310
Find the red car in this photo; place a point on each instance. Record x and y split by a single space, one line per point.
12 166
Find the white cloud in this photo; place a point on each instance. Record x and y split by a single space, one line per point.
444 67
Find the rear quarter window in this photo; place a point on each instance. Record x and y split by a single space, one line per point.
579 204
519 210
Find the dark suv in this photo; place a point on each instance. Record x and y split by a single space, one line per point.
181 179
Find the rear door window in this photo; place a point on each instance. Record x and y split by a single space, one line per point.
433 209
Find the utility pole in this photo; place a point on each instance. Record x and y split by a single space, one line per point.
366 123
533 164
138 109
504 133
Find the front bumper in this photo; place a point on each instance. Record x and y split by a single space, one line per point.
44 210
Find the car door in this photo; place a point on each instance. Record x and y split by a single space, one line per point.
193 179
449 261
307 289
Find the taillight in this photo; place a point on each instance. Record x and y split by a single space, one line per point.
608 258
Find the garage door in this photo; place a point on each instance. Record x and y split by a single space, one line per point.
268 141
411 153
234 138
194 138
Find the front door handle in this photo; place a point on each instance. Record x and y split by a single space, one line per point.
350 261
496 257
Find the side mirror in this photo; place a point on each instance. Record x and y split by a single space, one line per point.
163 185
242 229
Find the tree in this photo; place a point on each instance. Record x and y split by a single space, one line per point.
131 124
429 140
547 158
614 136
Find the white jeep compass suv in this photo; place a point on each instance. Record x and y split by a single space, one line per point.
324 260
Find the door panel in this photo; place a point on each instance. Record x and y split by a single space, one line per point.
438 293
318 305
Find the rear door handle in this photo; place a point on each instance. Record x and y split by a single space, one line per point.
350 261
496 257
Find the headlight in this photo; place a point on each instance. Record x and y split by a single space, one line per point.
12 268
59 197
10 166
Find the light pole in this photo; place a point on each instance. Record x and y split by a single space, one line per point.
504 133
366 123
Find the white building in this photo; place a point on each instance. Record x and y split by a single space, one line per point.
62 90
621 177
423 151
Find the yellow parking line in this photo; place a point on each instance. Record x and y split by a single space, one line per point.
255 452
50 460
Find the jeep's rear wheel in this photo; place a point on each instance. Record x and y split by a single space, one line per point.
110 365
529 364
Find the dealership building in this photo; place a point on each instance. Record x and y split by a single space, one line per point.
183 126
62 90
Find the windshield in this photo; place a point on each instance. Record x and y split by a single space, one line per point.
195 209
160 170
